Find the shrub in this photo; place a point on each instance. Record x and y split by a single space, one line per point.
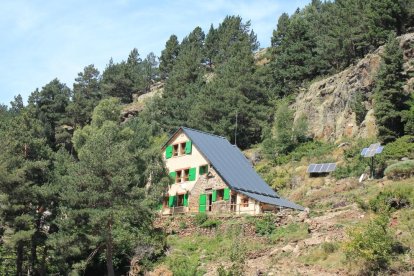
311 149
402 147
329 247
210 223
395 197
200 218
184 265
373 244
265 225
182 225
290 232
352 169
401 169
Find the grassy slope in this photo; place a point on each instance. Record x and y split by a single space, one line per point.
302 246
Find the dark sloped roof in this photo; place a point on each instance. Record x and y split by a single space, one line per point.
279 201
234 168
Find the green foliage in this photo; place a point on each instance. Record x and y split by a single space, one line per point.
210 223
389 97
124 79
49 106
402 147
265 226
372 243
106 208
200 218
290 232
168 56
86 95
357 105
185 265
311 149
329 247
403 169
391 198
286 134
25 170
182 225
354 169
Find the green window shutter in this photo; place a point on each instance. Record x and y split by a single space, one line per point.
171 201
173 175
202 203
188 147
226 195
186 199
168 151
203 169
192 174
214 196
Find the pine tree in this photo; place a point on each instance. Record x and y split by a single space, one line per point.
150 70
25 170
232 91
124 79
390 100
169 56
185 81
49 106
86 95
103 212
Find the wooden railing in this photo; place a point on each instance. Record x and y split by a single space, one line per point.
222 207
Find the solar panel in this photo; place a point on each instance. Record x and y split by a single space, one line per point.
379 150
364 151
331 167
311 168
321 168
372 150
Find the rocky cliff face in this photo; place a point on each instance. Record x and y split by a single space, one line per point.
329 104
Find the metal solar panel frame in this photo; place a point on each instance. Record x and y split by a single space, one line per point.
321 168
379 150
372 150
364 151
331 167
311 168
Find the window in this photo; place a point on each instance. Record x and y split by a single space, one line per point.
186 174
178 177
245 201
203 169
180 200
182 149
175 150
220 194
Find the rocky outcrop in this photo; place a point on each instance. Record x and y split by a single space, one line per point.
329 104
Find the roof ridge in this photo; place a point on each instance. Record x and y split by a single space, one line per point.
206 133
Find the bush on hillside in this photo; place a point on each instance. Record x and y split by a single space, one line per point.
372 244
210 223
394 197
200 218
399 170
265 226
353 169
402 147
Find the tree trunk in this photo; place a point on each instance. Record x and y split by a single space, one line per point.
19 259
109 251
42 271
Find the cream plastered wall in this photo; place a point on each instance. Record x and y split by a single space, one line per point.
195 159
252 209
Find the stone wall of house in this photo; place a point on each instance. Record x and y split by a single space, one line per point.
210 181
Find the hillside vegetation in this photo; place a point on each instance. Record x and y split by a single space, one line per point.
81 172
